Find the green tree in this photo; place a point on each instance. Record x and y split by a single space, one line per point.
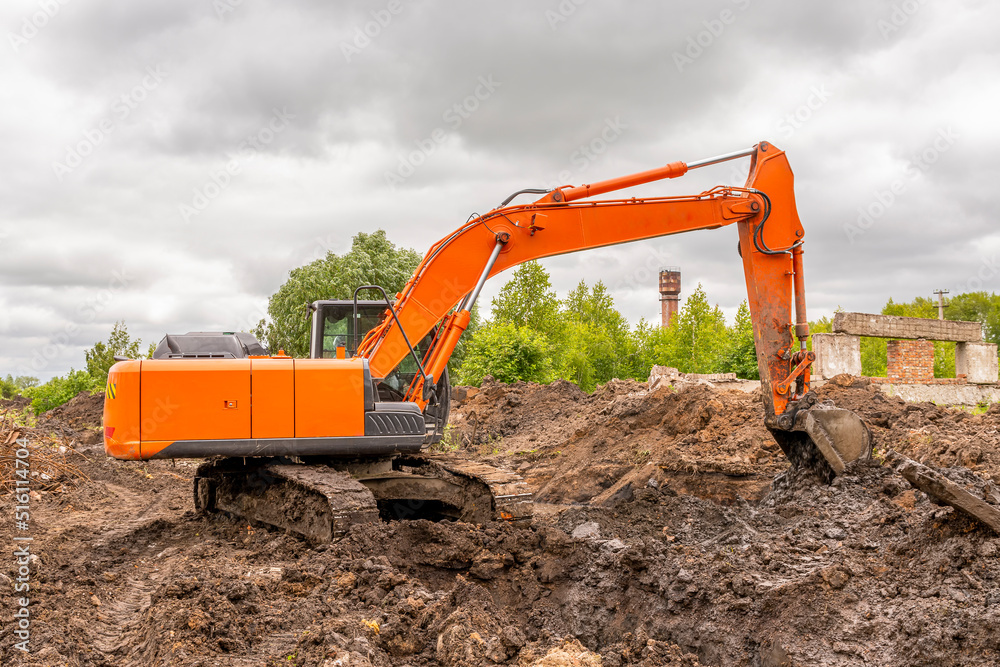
696 340
873 356
582 351
741 354
58 390
528 300
644 341
100 358
372 260
596 346
822 325
11 386
919 307
509 353
983 307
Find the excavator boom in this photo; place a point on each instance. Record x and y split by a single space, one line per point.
560 222
445 285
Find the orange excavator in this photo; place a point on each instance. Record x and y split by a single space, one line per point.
314 445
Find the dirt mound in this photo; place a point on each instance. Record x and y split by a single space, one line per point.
85 410
865 571
698 439
572 447
78 422
14 404
662 541
928 433
34 462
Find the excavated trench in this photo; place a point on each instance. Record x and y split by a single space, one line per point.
669 531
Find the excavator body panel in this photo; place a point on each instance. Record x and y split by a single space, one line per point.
272 391
278 406
194 399
121 411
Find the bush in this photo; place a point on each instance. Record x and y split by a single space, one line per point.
509 353
741 356
58 390
11 386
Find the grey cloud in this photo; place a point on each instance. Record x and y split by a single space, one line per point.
321 179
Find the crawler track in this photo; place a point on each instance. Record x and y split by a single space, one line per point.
316 501
321 500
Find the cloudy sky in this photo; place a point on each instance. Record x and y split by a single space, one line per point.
167 163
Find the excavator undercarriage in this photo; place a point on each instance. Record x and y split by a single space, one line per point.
322 499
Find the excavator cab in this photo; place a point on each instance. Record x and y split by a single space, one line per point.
332 332
332 326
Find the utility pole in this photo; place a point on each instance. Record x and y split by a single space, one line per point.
940 295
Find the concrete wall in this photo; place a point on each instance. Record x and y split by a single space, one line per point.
890 326
836 354
944 394
977 361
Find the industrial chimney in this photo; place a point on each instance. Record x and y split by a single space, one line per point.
670 291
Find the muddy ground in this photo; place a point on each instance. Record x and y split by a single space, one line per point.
669 531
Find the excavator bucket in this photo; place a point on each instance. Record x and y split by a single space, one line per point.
825 434
839 434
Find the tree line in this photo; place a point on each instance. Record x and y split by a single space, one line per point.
531 333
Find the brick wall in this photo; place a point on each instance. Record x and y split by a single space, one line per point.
910 361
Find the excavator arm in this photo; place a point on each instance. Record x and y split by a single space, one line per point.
561 222
447 283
